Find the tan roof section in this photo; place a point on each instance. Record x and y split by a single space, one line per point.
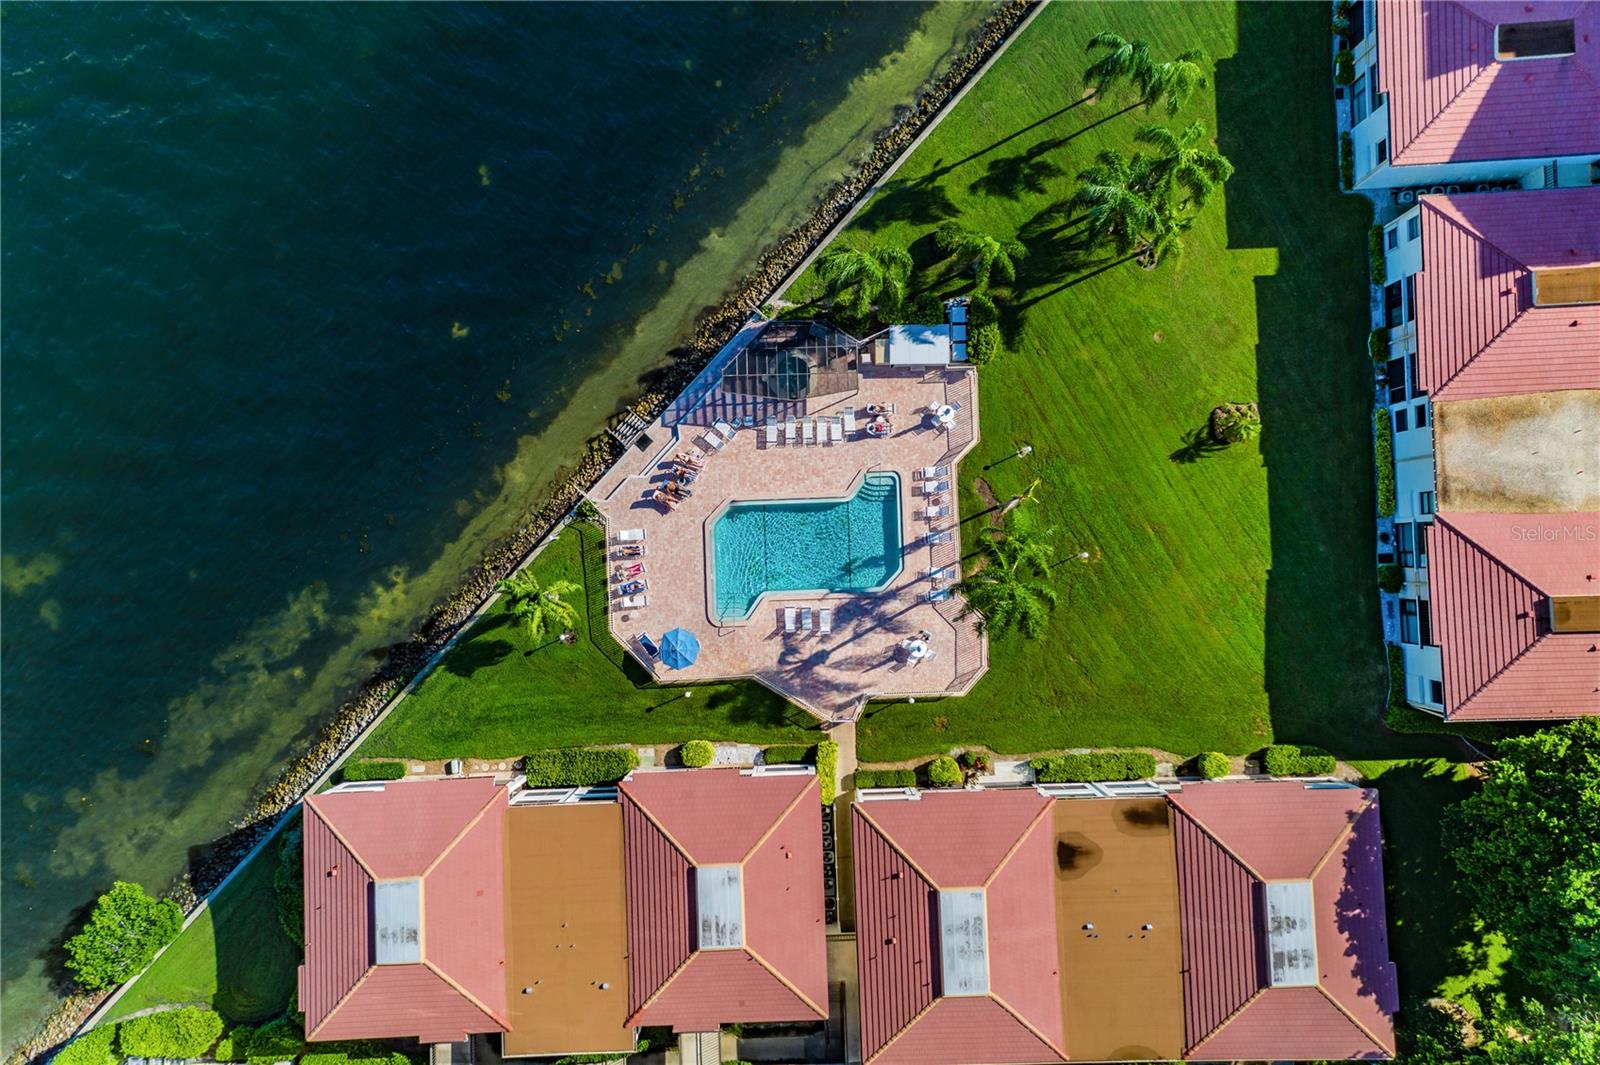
1121 985
566 930
1526 454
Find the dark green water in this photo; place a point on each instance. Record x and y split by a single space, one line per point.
300 305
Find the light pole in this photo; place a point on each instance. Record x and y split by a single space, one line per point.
1024 451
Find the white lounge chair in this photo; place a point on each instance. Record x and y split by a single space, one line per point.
933 473
790 617
788 431
809 430
630 536
938 595
772 432
805 619
934 487
933 511
836 430
941 536
850 420
634 602
939 576
726 430
825 620
710 436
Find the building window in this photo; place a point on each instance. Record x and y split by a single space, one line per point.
1424 502
1534 40
1413 227
1424 623
1410 627
1400 422
1422 545
1420 416
1436 692
1416 387
1393 304
1358 100
1394 376
1357 15
1382 152
1391 237
1411 297
1405 538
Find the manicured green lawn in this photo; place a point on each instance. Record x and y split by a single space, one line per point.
1432 937
498 694
1229 598
235 957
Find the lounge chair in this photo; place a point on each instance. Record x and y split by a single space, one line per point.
933 511
825 620
790 617
772 432
629 536
955 405
944 573
788 430
647 645
836 430
938 595
929 655
850 420
805 619
634 602
710 436
634 586
933 473
631 551
933 487
726 430
940 536
809 431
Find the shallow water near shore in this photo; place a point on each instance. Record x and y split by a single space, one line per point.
302 307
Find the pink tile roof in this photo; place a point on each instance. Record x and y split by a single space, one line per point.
904 853
772 827
452 843
1281 830
1451 100
1489 582
1478 331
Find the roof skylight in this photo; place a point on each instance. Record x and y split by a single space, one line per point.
963 942
1291 935
719 899
397 922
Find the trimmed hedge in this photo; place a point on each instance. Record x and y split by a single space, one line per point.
1347 160
697 753
1378 346
1383 456
93 1047
828 769
943 772
373 769
181 1033
235 1045
886 778
1288 760
1099 765
354 1052
1213 765
275 1041
1375 255
793 754
1391 578
575 767
1344 68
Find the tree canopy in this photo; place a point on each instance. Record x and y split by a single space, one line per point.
856 279
1011 591
539 605
123 933
988 255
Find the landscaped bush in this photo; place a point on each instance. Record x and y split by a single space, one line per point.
373 769
1378 346
354 1052
786 754
1099 765
1287 760
886 778
573 767
1347 160
983 343
122 934
93 1047
1375 255
277 1040
827 769
288 886
182 1033
1344 68
1391 578
697 753
943 772
1383 456
976 761
1213 765
235 1046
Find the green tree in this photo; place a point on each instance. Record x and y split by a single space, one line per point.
1176 80
856 279
987 255
1123 61
1184 160
1115 194
122 934
288 885
1527 847
538 605
1011 591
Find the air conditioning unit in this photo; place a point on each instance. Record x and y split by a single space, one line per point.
1406 196
1437 190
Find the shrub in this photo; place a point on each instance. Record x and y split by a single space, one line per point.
1213 765
944 773
983 343
1391 578
1347 160
976 761
886 778
288 886
923 309
697 753
373 769
1375 255
277 1040
573 767
91 1048
122 934
182 1033
790 754
1378 346
235 1046
1288 760
1383 456
828 769
1100 765
1344 68
587 511
354 1052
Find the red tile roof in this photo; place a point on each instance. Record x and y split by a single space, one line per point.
1452 100
1489 582
771 826
1478 331
451 842
905 852
1282 830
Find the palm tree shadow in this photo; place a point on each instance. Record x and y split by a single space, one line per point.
1015 174
1197 444
474 655
920 202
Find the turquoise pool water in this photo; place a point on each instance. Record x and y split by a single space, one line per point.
833 545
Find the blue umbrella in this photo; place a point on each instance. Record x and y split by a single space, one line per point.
679 649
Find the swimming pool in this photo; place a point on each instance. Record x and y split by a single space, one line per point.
806 545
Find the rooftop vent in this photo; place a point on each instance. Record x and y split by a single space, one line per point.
1291 935
719 900
963 943
1566 284
1575 613
397 919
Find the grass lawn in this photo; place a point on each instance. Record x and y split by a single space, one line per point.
235 957
1229 598
498 694
1434 940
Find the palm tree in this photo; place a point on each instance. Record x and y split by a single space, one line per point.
537 604
1164 241
988 255
856 279
1124 60
1115 195
1176 80
1185 159
1009 591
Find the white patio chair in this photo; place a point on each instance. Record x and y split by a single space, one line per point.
825 621
710 436
726 430
805 619
938 537
788 431
934 487
850 420
933 511
836 430
933 473
630 536
772 432
808 429
634 602
790 617
938 595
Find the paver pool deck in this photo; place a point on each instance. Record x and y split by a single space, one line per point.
833 675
